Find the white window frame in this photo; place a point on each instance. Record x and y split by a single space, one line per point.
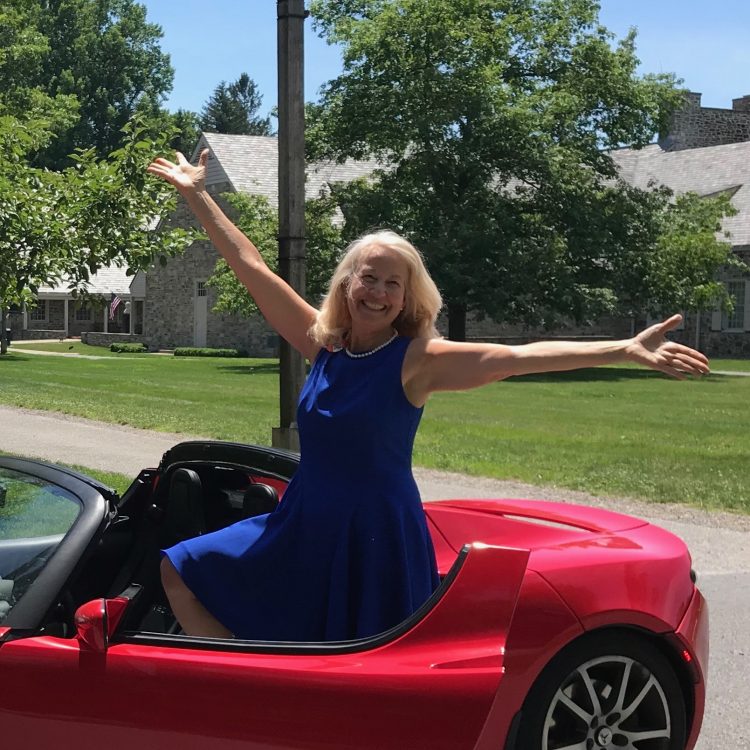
82 310
740 324
38 313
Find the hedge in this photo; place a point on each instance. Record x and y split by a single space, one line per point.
128 348
194 351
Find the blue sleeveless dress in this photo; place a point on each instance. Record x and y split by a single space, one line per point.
347 554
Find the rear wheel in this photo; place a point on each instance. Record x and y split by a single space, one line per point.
607 691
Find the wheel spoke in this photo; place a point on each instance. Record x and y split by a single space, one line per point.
571 705
623 686
626 712
591 691
577 746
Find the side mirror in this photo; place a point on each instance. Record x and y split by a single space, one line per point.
96 621
91 625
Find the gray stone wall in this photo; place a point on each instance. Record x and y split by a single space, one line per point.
488 330
94 338
55 320
170 306
696 127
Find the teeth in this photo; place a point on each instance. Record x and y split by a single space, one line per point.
377 308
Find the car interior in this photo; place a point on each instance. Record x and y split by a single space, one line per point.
158 511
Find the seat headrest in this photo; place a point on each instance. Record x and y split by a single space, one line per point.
259 499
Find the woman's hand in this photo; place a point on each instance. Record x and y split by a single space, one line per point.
652 349
183 175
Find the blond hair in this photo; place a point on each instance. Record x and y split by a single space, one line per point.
422 301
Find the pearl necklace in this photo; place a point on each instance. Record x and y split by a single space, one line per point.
359 355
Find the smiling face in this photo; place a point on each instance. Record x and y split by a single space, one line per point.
377 290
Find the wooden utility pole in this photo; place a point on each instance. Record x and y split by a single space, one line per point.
290 50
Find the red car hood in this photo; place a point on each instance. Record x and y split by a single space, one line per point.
531 524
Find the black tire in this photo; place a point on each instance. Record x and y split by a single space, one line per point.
606 691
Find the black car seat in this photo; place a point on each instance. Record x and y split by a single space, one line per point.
184 514
259 499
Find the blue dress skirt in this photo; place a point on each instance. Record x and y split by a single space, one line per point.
347 554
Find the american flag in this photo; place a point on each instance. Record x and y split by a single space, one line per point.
113 305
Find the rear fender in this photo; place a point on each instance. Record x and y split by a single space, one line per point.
468 625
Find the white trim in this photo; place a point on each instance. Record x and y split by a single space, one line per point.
743 326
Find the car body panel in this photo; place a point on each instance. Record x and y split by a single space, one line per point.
534 578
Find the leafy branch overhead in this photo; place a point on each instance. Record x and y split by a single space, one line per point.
68 224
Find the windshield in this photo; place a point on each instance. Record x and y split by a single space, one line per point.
34 517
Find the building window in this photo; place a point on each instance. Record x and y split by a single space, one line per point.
201 288
39 313
736 320
83 313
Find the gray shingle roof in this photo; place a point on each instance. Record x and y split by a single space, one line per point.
106 281
249 163
698 170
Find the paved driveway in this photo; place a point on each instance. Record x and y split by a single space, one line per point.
719 542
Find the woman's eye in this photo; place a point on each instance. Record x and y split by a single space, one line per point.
394 284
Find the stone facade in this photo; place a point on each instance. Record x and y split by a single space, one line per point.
170 305
503 333
248 164
105 339
695 126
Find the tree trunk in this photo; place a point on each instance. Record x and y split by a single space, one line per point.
456 322
3 340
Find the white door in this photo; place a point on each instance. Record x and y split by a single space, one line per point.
201 313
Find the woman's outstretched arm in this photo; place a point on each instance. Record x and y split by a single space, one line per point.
439 365
285 310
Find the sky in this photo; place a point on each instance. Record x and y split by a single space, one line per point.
704 42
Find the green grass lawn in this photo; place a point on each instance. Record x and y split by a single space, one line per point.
610 431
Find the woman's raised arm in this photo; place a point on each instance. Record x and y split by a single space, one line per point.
285 310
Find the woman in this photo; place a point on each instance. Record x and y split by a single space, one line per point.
347 554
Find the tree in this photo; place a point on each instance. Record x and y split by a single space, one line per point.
233 108
67 225
259 221
106 55
492 119
682 269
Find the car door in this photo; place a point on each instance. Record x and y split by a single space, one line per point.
430 684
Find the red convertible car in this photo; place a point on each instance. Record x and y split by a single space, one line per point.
556 627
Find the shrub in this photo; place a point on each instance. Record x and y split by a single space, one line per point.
128 348
195 351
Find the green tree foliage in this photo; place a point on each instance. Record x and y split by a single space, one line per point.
233 108
103 54
67 225
258 220
492 119
682 270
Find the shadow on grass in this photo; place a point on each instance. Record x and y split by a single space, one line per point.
597 374
15 357
251 369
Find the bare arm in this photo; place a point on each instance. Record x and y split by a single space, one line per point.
285 310
439 365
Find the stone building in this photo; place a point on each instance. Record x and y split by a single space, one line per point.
60 314
695 126
706 151
179 304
